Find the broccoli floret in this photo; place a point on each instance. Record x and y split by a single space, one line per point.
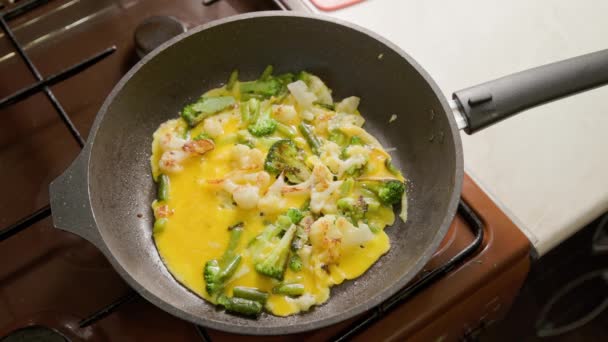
353 209
271 252
284 156
295 263
389 191
216 273
263 125
266 88
295 215
205 107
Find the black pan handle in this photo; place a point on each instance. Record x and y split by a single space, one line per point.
491 102
70 203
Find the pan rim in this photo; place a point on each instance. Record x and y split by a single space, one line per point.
319 323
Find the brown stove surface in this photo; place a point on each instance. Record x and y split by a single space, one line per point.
50 278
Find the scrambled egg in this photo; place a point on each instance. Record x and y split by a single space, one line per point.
216 176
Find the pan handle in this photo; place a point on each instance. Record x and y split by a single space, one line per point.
491 102
70 203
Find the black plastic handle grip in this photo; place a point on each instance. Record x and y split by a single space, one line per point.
491 102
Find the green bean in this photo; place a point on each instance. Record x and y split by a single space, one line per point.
286 130
160 224
250 293
266 73
234 76
291 290
311 138
240 305
163 188
230 267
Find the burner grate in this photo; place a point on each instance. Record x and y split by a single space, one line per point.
43 84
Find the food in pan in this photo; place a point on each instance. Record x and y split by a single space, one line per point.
269 193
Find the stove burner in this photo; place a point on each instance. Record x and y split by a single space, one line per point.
34 333
154 31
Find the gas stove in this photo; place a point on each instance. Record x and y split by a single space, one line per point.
58 61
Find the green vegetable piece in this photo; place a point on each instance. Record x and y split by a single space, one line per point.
300 239
163 189
266 73
295 263
291 290
245 112
205 107
160 225
355 140
217 273
391 167
234 77
284 221
312 140
295 215
306 205
389 191
286 130
263 125
347 186
264 88
338 137
241 306
274 263
353 209
250 293
202 135
284 156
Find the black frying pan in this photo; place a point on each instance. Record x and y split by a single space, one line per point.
100 196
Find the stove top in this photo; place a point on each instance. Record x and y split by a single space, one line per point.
67 57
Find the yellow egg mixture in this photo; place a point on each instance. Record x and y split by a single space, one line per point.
200 206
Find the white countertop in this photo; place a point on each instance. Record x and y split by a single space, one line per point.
548 167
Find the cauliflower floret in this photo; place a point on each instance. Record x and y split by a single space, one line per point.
273 200
246 158
357 157
342 119
353 237
326 239
330 156
285 113
300 92
213 127
171 161
348 105
246 196
304 302
323 198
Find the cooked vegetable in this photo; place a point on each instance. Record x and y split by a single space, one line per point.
295 215
162 193
234 77
205 107
216 273
284 157
312 140
250 293
263 125
389 191
292 290
271 251
295 263
352 208
241 306
160 224
312 192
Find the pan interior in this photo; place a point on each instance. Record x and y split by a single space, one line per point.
352 63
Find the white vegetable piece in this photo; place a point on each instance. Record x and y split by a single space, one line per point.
300 92
348 105
319 88
285 113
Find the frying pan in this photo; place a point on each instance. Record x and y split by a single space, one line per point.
101 194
